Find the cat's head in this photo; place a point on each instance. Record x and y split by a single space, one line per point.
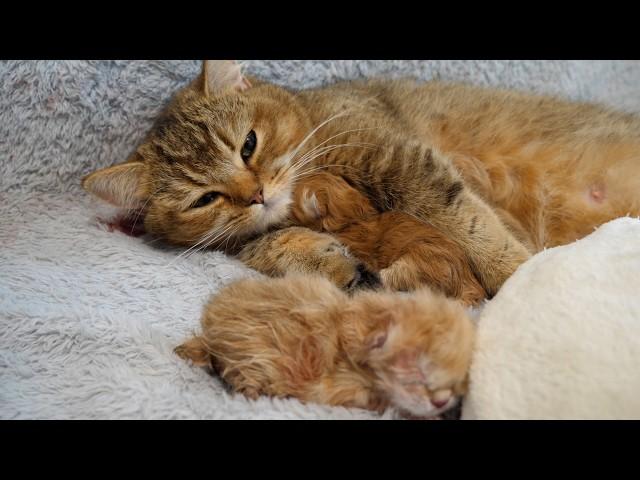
215 166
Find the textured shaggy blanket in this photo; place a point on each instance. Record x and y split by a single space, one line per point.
561 340
88 317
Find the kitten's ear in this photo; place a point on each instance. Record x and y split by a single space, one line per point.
222 75
119 185
377 339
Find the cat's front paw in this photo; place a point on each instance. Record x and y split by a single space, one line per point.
336 263
301 250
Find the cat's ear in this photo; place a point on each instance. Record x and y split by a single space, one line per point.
120 185
220 75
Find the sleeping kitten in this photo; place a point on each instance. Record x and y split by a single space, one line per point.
301 336
407 253
501 173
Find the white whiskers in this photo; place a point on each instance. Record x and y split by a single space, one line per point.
204 241
298 165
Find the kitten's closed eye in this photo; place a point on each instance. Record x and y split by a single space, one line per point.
249 146
206 199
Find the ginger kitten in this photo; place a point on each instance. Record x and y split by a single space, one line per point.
503 174
406 252
301 336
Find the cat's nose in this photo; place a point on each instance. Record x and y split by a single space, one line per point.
257 198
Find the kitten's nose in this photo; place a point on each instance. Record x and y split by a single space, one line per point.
257 197
441 398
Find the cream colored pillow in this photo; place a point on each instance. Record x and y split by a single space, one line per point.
561 340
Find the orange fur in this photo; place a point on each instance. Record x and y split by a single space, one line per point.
502 174
301 336
406 252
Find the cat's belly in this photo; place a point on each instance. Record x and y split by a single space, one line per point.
555 195
553 169
557 168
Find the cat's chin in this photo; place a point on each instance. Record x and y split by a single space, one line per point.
274 211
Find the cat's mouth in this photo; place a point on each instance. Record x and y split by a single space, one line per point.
274 209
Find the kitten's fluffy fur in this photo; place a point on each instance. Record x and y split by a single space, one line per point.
407 253
301 336
502 174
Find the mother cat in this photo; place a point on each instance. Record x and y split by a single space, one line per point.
502 173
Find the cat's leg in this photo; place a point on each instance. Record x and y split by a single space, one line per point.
494 252
417 180
301 250
421 266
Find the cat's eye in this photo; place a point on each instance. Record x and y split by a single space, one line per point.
249 146
205 199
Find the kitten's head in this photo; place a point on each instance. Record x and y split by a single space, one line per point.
420 349
215 165
326 202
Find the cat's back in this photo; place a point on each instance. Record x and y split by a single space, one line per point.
449 113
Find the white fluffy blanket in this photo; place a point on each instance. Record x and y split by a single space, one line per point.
561 340
88 318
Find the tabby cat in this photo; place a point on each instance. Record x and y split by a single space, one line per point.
502 173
